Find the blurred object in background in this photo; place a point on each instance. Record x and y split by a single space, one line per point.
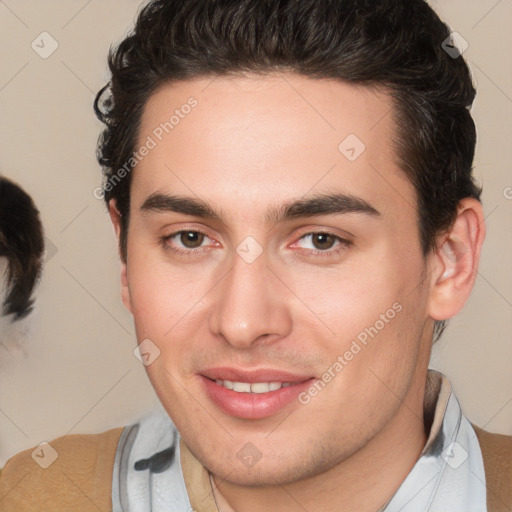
21 261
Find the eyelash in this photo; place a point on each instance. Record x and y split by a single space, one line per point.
343 243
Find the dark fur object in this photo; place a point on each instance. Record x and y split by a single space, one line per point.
22 244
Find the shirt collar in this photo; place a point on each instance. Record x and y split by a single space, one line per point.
449 474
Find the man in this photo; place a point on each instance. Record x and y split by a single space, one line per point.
290 184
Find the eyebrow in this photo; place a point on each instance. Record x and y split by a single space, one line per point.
319 204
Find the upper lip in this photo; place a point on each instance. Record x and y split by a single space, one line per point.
253 375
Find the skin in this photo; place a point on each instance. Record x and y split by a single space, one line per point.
250 144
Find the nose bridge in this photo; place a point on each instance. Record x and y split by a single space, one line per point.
248 303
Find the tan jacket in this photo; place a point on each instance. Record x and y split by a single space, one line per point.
80 479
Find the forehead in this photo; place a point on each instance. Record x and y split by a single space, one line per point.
274 136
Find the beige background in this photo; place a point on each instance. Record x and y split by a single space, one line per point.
80 374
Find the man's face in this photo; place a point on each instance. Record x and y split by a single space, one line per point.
333 303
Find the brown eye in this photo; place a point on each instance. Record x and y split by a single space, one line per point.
323 241
323 244
191 239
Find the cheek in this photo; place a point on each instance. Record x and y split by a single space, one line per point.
375 315
343 301
161 295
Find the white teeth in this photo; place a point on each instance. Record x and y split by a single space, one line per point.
242 387
260 387
255 387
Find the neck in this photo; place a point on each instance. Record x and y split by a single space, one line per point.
364 482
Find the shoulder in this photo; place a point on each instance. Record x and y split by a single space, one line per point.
499 442
72 472
497 456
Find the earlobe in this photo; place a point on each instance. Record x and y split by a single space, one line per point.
456 261
115 217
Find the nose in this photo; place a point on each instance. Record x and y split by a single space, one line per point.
250 305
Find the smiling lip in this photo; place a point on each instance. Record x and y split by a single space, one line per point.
252 405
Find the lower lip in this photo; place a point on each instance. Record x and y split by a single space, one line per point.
253 405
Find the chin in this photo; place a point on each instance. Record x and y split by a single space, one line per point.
287 466
21 261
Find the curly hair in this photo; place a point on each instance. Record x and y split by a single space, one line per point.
393 44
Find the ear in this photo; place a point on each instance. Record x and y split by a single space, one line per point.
455 262
115 217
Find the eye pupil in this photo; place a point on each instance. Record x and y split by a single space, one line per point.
191 239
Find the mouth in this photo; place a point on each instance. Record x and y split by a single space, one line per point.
254 394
